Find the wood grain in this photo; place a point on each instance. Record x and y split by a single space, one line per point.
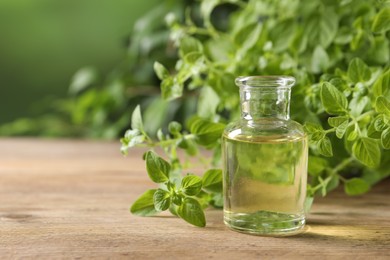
70 199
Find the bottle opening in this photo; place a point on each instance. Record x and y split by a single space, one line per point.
265 81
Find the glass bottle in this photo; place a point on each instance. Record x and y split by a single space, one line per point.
265 161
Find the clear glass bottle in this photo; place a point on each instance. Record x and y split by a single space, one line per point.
265 161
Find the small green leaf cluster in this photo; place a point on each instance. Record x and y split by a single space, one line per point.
356 102
184 196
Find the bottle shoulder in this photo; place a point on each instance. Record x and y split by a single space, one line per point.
267 128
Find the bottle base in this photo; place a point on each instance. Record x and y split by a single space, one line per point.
265 223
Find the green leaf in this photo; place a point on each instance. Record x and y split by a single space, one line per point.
358 104
161 200
160 135
333 183
177 198
380 123
381 85
171 89
336 121
160 70
206 8
155 114
382 105
385 138
314 131
191 211
352 135
131 139
317 165
208 102
381 21
191 185
174 128
188 45
308 203
207 132
136 119
341 124
173 209
372 132
248 36
358 71
144 205
340 130
356 186
332 99
158 169
322 27
367 151
325 147
212 180
282 34
319 60
195 59
82 79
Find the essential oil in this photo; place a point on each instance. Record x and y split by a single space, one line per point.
265 162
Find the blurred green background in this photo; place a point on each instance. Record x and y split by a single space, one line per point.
44 42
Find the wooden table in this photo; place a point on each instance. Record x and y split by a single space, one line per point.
70 199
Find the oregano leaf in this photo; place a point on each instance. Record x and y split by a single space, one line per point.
358 71
381 21
332 99
380 123
189 45
340 130
158 169
382 105
322 27
381 85
136 119
353 135
160 70
191 185
171 88
212 180
366 150
314 131
325 147
161 200
385 138
191 211
319 60
82 79
336 121
208 102
174 128
247 37
356 186
144 205
207 132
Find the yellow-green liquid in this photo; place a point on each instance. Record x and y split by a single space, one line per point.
265 183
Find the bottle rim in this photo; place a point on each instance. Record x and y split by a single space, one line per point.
274 81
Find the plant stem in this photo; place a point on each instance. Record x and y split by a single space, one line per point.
342 164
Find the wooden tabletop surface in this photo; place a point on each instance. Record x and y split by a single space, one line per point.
70 199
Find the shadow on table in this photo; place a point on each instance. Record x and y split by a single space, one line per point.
322 227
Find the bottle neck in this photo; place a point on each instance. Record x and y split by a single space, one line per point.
265 102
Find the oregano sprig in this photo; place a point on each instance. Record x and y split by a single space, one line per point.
184 196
